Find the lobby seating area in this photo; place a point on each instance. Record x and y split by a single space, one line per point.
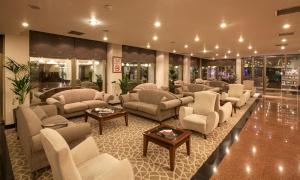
149 90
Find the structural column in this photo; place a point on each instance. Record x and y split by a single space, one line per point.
186 69
238 66
162 69
113 50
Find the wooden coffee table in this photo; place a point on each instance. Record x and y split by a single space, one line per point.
170 142
118 112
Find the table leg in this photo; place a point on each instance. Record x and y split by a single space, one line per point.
172 158
188 146
234 108
100 126
85 117
126 119
145 147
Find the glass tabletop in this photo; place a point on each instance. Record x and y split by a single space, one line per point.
167 132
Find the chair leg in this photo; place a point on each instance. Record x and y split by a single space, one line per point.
204 135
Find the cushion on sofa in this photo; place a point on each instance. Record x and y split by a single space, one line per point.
134 97
55 119
61 99
148 108
99 96
40 112
74 107
32 120
94 103
131 105
151 96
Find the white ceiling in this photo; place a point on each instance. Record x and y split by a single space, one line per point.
130 22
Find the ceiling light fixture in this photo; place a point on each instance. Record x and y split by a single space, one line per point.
94 22
223 25
237 55
241 39
192 54
228 51
250 47
283 40
105 38
148 46
282 47
25 24
174 51
255 52
186 46
225 56
217 54
217 47
286 26
204 51
155 38
197 39
157 24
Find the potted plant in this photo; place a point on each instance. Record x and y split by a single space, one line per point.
124 84
20 81
99 81
172 77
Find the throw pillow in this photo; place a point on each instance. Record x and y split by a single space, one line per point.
61 99
134 97
99 96
38 110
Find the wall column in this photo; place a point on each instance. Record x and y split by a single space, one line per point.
238 66
162 69
113 50
186 69
17 48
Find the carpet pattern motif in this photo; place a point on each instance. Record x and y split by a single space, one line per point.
127 142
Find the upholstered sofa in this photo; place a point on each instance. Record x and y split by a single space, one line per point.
74 102
190 89
158 105
148 86
29 123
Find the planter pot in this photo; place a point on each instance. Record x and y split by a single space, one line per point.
15 117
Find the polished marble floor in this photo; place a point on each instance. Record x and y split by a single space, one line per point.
268 147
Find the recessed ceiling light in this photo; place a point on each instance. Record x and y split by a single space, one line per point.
282 47
255 52
217 54
204 51
223 25
157 24
217 47
186 46
105 38
213 58
174 51
196 39
148 46
241 39
283 40
155 38
94 22
250 47
225 57
228 51
25 24
192 54
237 55
286 26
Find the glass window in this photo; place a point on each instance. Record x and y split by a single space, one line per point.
247 69
139 72
49 73
194 69
273 71
258 71
178 71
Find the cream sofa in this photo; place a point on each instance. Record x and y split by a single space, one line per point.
74 102
29 124
201 117
83 162
190 89
158 105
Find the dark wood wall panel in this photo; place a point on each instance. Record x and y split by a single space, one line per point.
221 62
176 59
134 54
58 46
195 62
88 49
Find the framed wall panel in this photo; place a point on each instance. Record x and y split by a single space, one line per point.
88 49
134 54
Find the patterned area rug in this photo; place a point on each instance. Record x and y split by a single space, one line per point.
127 142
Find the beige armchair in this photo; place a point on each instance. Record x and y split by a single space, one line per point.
249 86
225 111
83 161
236 94
201 117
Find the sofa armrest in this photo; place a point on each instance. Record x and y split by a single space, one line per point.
124 171
75 132
212 121
108 97
225 111
59 105
85 151
186 100
170 104
185 111
124 98
50 110
224 95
